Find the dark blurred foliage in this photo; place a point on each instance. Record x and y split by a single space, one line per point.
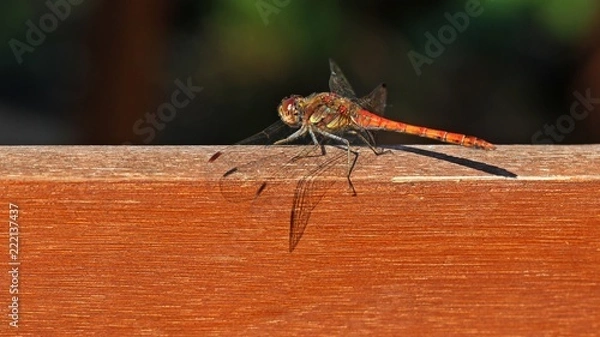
109 64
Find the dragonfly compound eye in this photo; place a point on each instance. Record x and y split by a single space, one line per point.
288 111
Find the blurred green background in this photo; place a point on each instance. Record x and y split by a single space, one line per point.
104 72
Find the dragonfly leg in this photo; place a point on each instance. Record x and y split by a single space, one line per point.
307 153
371 143
292 137
314 139
351 163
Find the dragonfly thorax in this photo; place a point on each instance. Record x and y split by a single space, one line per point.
289 110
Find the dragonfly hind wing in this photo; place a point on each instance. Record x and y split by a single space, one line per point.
376 100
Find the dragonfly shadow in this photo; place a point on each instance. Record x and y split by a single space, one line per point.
318 171
483 167
311 189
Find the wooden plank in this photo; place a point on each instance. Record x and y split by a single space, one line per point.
439 240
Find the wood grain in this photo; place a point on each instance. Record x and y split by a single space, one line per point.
438 241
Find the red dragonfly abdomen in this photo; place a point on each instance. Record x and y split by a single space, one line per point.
372 121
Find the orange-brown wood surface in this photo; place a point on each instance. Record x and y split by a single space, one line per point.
438 241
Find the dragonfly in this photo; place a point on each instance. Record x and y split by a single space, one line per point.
339 116
333 113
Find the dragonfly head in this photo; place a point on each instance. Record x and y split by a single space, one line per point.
289 110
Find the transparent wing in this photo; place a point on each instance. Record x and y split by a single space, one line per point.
338 83
375 101
270 135
244 180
